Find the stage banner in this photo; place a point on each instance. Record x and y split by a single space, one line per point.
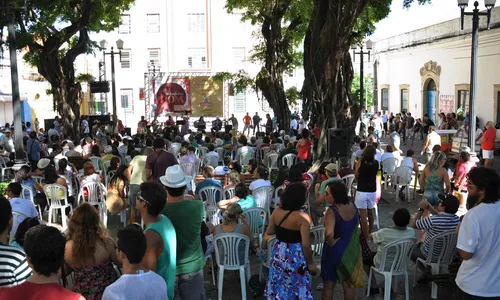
200 95
207 97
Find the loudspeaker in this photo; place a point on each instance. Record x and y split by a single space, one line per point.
338 145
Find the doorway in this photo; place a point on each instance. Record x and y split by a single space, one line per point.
430 99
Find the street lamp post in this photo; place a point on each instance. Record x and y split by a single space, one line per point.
152 69
119 45
473 70
369 45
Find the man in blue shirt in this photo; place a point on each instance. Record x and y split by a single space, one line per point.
208 173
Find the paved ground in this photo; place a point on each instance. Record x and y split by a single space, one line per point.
386 207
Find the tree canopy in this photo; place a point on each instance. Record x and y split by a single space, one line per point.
55 33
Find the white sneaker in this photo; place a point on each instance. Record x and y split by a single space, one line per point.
320 286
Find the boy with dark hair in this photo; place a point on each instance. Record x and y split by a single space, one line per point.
14 268
136 282
160 234
44 246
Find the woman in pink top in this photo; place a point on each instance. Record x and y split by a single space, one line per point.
304 146
464 165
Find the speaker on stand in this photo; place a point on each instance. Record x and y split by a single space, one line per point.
338 143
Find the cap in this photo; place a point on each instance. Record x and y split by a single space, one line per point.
450 202
331 167
43 163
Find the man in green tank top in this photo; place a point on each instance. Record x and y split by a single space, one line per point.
160 234
187 217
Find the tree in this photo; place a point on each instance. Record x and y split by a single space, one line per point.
282 26
368 91
334 27
55 34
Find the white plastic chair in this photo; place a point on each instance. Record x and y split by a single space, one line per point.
262 197
209 195
389 166
289 160
107 178
202 151
253 215
175 148
96 196
97 162
317 241
229 192
263 152
402 177
210 161
353 160
55 201
394 266
272 161
5 172
267 263
27 193
245 157
189 169
38 179
220 151
447 242
228 258
348 180
17 218
277 195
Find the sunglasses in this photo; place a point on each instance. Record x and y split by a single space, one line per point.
140 198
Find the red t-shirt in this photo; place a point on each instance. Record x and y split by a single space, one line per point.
489 139
247 120
33 291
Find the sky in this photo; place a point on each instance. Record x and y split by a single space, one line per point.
402 20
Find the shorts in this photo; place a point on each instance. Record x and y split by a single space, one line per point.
385 126
488 154
365 200
432 197
190 286
133 191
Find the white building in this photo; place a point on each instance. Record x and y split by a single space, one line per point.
428 70
180 37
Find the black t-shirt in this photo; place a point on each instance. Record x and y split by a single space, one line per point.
428 124
367 179
256 119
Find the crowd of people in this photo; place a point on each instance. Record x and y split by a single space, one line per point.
166 256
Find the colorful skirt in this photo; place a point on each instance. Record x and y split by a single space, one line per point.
288 275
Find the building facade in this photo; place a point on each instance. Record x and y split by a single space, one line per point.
428 70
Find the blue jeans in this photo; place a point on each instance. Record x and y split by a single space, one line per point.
190 286
431 196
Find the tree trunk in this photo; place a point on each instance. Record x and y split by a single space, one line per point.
328 68
274 92
60 73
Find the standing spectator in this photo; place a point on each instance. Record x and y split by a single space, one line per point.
136 174
304 146
410 122
488 144
84 127
44 246
479 238
426 123
89 252
464 166
341 258
160 234
432 139
293 124
366 195
234 122
443 219
269 124
136 282
376 122
247 120
37 125
256 122
57 125
403 126
158 162
34 150
187 216
14 268
291 260
434 178
385 120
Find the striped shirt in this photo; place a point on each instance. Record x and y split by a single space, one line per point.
434 225
14 268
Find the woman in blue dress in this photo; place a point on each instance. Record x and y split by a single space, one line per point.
292 260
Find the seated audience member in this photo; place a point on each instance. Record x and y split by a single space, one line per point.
443 219
20 205
14 268
362 146
137 282
245 148
230 224
89 252
23 227
459 180
188 155
241 196
389 153
108 156
208 173
411 162
89 174
211 151
44 246
224 169
385 236
261 176
378 153
345 167
290 149
116 199
160 233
